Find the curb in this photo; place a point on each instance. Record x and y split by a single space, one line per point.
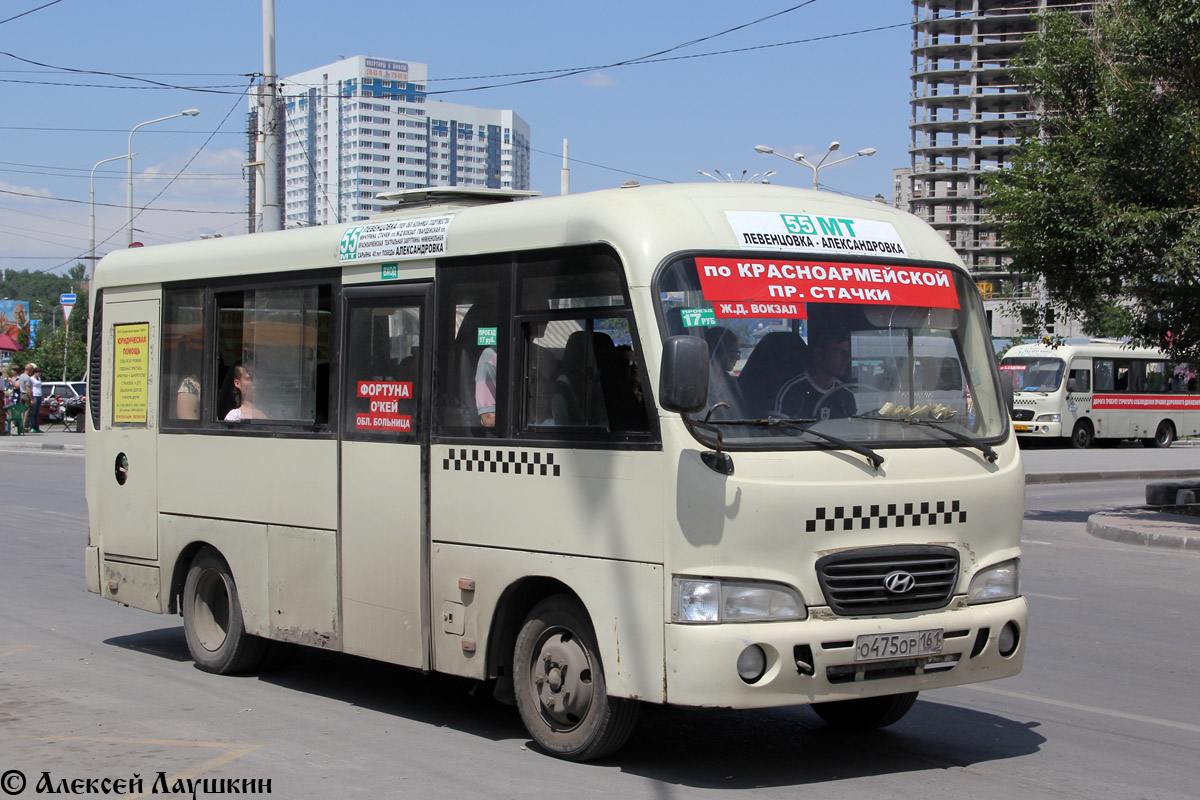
1109 475
1115 528
54 447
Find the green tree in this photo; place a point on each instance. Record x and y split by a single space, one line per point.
51 350
1102 200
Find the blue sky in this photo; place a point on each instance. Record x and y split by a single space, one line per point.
655 122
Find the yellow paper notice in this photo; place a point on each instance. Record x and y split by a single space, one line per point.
131 372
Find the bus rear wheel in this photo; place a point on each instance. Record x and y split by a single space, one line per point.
212 619
1082 435
865 713
559 685
1163 437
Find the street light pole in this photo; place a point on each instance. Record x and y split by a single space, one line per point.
92 212
190 112
816 168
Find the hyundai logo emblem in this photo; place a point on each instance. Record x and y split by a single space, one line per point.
899 582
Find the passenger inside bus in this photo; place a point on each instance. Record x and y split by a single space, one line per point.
778 356
723 348
241 392
819 393
485 387
187 399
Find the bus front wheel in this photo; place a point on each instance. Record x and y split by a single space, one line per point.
865 713
212 619
1082 436
559 685
1163 437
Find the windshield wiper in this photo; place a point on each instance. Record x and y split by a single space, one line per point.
803 425
987 451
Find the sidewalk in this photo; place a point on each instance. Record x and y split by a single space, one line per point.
58 439
1145 527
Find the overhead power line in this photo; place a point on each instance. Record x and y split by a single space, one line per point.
30 11
532 76
111 205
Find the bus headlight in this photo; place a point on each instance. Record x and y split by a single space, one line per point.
1049 418
697 600
1001 582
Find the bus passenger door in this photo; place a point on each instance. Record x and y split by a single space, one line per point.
384 542
128 496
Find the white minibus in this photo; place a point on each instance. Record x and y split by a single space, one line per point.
1101 391
714 445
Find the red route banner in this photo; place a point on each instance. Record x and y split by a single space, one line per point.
1145 402
744 283
384 412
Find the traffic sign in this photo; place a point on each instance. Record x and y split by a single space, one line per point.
67 299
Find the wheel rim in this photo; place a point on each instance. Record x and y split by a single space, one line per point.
1164 436
210 610
561 679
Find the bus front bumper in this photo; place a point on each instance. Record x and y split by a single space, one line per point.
815 660
1045 430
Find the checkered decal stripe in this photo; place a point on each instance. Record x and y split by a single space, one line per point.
894 515
505 462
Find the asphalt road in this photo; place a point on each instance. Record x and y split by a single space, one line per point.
1106 707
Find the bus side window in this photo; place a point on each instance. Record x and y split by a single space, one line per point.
382 371
1157 377
1080 380
282 337
581 366
1103 367
473 358
1137 376
183 355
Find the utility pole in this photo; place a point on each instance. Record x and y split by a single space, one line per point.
272 212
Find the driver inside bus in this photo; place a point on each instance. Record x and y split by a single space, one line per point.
819 393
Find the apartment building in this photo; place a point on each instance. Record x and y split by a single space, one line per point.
365 125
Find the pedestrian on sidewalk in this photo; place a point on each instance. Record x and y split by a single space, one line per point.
35 411
25 392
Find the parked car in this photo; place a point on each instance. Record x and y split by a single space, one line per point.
62 401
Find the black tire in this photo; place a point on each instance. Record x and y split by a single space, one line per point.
865 713
1163 437
1083 435
559 685
212 619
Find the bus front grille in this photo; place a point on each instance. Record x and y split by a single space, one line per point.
1022 414
856 582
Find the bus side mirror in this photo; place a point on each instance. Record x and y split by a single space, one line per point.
683 383
1007 391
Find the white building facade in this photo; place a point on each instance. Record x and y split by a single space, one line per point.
364 125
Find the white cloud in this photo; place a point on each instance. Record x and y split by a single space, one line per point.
23 190
597 80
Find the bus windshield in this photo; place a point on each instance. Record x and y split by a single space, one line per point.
903 364
1034 374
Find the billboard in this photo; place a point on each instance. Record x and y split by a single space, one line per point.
14 319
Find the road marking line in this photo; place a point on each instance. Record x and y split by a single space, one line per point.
12 649
234 752
1048 596
1107 712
